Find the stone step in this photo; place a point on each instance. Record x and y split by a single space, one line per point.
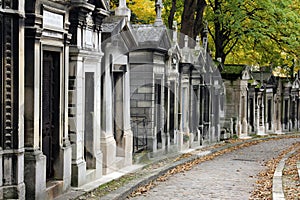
54 189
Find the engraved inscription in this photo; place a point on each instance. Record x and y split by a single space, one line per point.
53 20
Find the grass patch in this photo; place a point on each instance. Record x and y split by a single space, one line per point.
107 188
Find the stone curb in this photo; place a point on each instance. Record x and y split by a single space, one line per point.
123 192
298 167
277 187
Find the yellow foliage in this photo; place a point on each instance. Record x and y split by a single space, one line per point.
143 10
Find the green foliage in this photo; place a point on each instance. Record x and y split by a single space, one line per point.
260 32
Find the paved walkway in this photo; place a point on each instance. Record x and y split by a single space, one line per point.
229 176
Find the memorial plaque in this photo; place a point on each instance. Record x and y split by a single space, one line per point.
89 38
53 20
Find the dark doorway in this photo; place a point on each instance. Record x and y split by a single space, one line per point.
50 109
118 114
1 80
158 117
269 114
172 112
286 112
293 113
195 111
252 111
89 121
206 111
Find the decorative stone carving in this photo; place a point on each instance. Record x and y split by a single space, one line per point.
158 8
7 82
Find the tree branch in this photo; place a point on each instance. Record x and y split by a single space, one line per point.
232 46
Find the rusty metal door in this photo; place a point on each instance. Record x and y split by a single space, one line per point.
50 108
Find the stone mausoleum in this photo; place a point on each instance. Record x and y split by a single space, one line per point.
83 91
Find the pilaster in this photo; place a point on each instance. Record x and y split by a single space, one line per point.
85 57
12 100
108 143
35 161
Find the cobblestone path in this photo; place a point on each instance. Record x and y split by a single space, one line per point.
229 176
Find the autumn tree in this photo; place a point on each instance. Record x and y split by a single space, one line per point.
262 31
257 32
142 11
228 24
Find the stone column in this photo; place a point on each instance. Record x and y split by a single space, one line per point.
97 116
12 100
168 116
244 107
295 127
85 57
128 135
76 119
162 113
278 123
108 143
35 161
65 154
298 113
261 111
257 113
76 95
211 109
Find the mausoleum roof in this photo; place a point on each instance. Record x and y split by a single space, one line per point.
150 36
113 24
264 76
233 71
147 32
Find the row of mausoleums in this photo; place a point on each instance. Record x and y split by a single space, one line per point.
258 102
82 91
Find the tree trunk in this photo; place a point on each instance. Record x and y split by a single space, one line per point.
192 19
219 37
198 26
172 13
187 18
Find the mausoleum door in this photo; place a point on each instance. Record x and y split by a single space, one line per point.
270 114
293 113
172 112
251 113
157 102
89 121
50 109
118 113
